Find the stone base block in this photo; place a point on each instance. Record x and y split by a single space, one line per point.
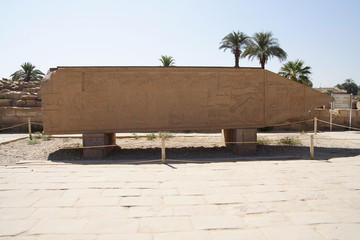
246 135
98 139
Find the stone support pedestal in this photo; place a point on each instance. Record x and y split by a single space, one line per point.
98 139
247 135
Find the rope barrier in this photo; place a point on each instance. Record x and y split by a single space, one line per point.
210 142
195 142
338 139
37 123
1 129
338 125
282 124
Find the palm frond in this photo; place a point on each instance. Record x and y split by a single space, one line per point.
296 71
264 46
167 61
27 73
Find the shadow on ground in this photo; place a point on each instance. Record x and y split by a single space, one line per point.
201 155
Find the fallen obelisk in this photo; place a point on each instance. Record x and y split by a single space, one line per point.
101 101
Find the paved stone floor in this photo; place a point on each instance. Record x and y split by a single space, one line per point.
300 199
9 137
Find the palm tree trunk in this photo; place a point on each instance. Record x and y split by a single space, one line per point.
262 62
237 57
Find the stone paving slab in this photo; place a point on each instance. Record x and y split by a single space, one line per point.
9 137
305 199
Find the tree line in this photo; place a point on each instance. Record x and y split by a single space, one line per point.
262 46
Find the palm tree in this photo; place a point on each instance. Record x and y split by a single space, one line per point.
295 70
263 46
236 42
27 73
167 61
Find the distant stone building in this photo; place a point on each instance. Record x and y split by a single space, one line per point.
19 101
330 89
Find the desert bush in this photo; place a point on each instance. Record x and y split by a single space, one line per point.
33 142
166 135
150 136
135 136
37 135
264 141
289 141
46 137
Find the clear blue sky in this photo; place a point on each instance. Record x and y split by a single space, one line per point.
325 34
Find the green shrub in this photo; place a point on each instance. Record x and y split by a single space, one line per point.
150 136
33 142
1 96
37 135
289 141
166 135
135 136
46 137
264 141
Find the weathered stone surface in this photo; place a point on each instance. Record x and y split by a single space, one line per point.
27 103
4 90
10 116
13 94
241 140
5 102
28 97
182 98
98 139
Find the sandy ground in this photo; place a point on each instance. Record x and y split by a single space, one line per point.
187 148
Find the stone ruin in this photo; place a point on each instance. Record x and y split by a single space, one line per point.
18 101
20 94
151 99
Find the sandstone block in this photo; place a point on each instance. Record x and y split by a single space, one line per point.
7 112
26 103
20 103
28 97
98 139
4 90
5 102
13 120
20 112
241 141
13 94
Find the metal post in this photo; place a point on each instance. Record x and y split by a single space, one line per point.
312 146
351 97
315 125
29 128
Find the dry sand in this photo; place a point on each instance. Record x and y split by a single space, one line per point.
198 148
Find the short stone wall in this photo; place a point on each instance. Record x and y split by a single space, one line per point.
18 102
10 116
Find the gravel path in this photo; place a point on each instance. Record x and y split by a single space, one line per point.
209 148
